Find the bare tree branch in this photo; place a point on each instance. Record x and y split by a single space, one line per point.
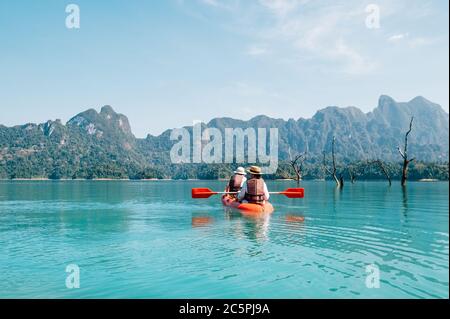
351 173
325 167
297 165
404 154
383 169
401 153
333 157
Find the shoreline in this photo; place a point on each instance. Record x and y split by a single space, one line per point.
422 180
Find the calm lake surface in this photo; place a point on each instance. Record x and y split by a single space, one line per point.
137 239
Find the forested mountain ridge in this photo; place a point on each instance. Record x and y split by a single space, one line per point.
101 144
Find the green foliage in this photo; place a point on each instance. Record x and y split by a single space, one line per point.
101 145
368 170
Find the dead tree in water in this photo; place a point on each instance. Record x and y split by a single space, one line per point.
296 163
351 174
384 170
333 171
404 155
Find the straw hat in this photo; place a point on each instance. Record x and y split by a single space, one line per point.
240 171
255 170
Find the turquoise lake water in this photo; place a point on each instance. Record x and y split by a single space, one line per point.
145 239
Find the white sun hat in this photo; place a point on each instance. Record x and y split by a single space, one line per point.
240 170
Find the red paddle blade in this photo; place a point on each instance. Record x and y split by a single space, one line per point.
294 192
202 193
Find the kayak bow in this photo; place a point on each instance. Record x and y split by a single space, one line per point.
247 207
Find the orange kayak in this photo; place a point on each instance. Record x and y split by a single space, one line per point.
247 207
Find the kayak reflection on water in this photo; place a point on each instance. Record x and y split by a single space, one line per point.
201 221
255 227
249 225
294 219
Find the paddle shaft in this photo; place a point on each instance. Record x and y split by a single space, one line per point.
206 192
277 193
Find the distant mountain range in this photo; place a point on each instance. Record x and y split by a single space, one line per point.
93 144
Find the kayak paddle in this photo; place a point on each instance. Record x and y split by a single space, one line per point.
206 193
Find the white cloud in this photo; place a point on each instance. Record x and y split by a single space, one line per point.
255 50
397 37
323 34
282 7
420 41
213 3
355 62
220 4
413 42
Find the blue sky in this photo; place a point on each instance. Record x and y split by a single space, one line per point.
167 63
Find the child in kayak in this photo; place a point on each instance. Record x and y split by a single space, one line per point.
254 190
236 181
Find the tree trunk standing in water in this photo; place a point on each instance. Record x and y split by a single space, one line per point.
332 172
351 174
384 170
341 181
297 165
404 155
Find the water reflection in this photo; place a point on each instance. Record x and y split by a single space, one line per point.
256 227
249 225
294 218
201 221
337 193
405 201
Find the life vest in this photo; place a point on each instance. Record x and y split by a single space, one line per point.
255 191
235 183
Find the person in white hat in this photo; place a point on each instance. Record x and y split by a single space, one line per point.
237 180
